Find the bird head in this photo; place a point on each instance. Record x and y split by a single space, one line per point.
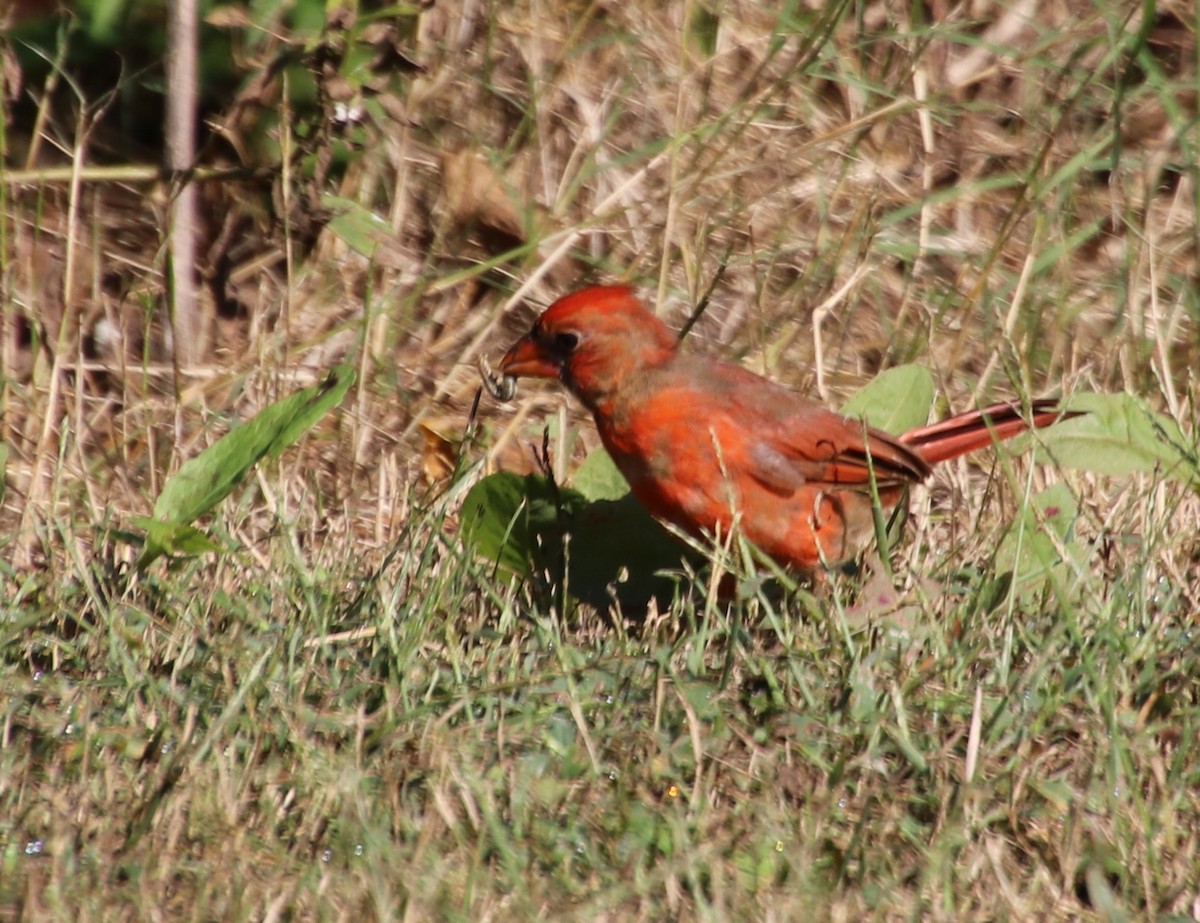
596 341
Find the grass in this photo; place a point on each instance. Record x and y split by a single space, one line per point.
346 717
205 754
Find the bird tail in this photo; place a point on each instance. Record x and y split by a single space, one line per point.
978 429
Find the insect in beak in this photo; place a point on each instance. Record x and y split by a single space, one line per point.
501 386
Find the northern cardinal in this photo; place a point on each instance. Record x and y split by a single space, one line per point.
703 442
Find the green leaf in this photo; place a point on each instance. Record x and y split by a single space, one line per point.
598 478
300 412
1044 529
507 518
617 544
896 400
204 481
703 29
1101 896
530 528
364 232
171 538
1119 435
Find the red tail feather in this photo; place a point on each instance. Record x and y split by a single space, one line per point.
978 429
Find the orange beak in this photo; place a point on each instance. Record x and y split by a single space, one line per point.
527 358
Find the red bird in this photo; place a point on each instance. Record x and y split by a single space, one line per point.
703 442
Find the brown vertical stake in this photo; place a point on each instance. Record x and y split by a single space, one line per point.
186 325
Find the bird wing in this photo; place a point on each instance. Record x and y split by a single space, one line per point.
784 440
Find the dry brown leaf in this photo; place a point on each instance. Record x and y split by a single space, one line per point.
477 197
439 451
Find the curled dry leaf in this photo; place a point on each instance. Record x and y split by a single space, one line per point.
479 198
439 450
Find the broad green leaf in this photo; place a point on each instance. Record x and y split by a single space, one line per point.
1040 533
364 232
896 400
617 543
1120 435
531 528
598 478
508 518
171 538
300 412
204 481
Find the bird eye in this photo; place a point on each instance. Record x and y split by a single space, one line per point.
566 341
